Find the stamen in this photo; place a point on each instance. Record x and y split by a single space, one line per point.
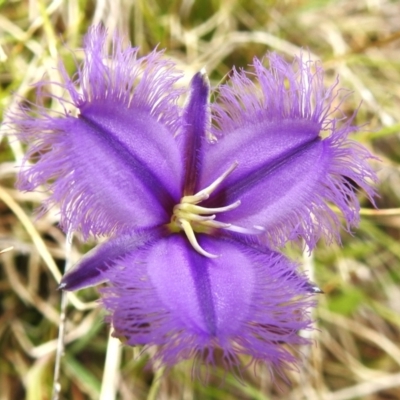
195 217
191 208
246 231
209 189
187 227
217 224
188 216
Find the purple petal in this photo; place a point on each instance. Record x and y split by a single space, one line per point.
89 271
246 301
111 167
287 173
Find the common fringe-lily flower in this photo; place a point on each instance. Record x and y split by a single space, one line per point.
196 201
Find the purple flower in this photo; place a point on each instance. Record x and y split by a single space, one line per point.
196 200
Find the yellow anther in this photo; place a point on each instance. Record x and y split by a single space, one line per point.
189 217
217 224
193 209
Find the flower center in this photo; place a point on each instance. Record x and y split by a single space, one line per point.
191 218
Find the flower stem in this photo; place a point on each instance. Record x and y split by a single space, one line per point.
110 379
61 330
156 384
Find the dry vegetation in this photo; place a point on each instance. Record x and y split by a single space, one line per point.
357 350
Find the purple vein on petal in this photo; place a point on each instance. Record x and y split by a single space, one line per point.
201 277
196 120
252 178
138 166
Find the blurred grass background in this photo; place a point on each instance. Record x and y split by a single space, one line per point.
357 344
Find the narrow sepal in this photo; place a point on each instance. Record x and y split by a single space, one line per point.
196 126
91 269
314 288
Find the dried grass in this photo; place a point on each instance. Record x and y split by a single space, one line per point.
357 347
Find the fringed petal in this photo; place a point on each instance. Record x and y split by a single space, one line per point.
246 301
102 187
115 165
294 158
